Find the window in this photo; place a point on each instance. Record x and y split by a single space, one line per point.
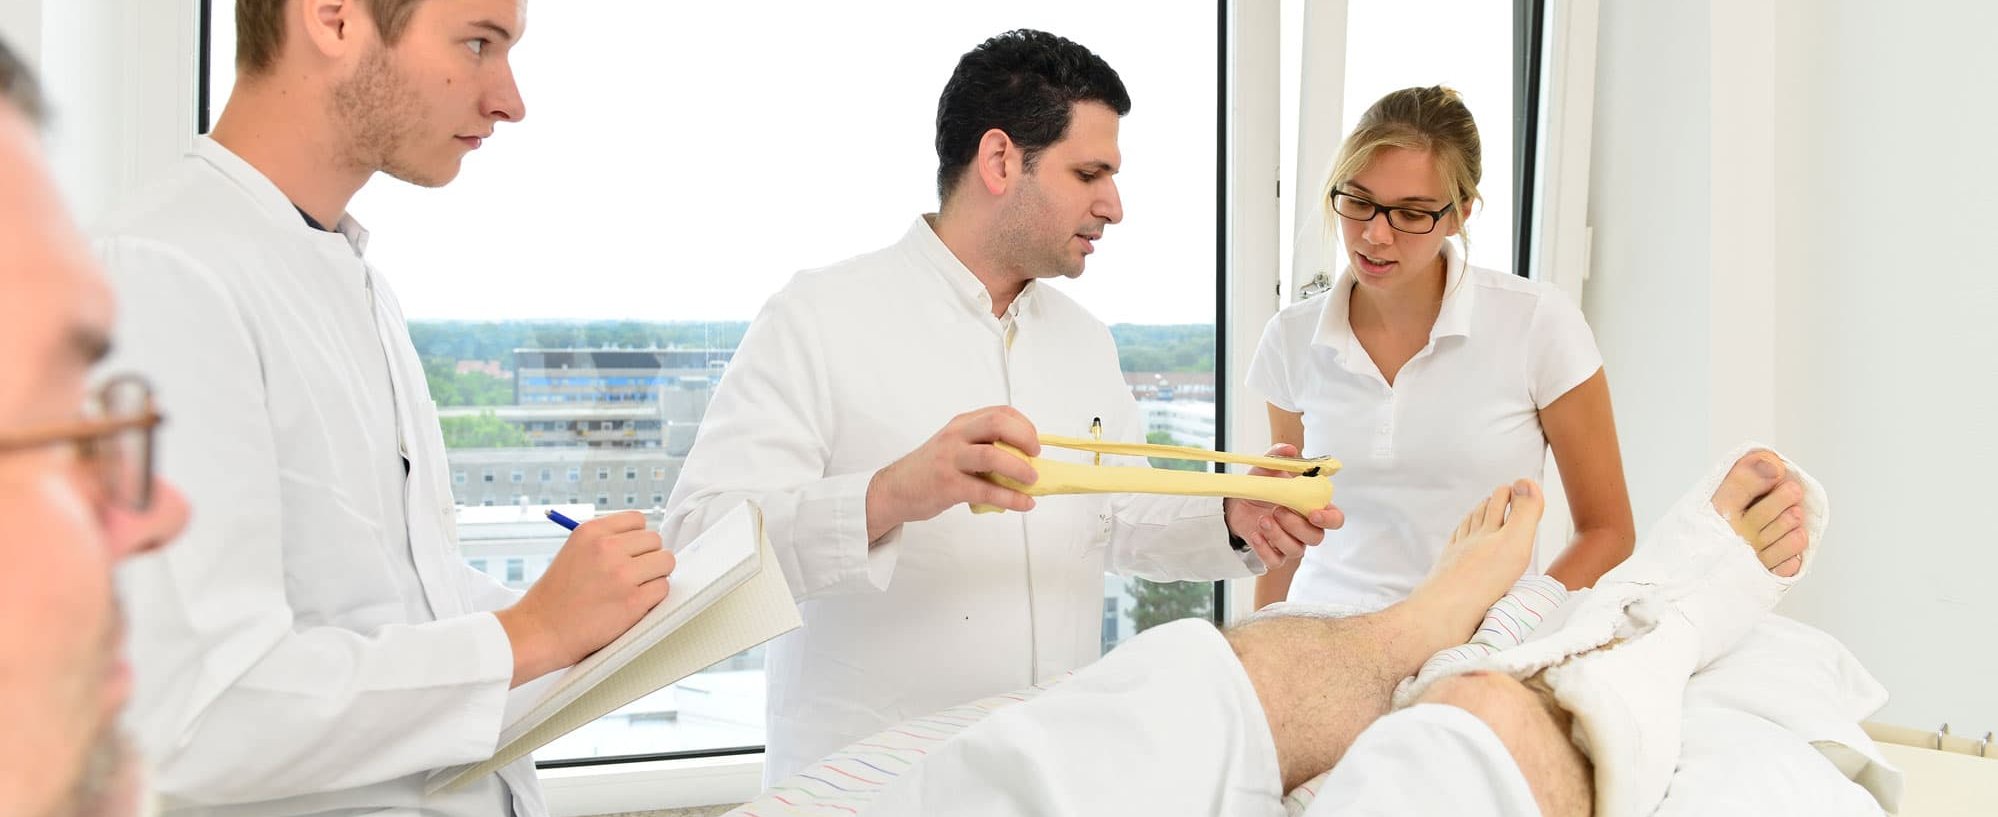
517 477
658 500
547 474
1153 280
457 477
1478 54
489 475
631 500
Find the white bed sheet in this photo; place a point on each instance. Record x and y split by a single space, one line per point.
1795 752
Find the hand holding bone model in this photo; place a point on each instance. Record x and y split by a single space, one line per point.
948 470
1282 506
1278 534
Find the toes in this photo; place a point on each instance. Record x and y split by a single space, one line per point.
1789 568
1494 512
1527 505
1750 478
1792 518
1787 548
1766 509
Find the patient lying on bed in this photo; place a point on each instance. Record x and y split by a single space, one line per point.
1579 717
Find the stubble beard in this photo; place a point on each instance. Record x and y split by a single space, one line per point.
105 786
1022 237
377 109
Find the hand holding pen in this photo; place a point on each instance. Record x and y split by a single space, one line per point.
607 576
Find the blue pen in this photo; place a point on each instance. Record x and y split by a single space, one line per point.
557 518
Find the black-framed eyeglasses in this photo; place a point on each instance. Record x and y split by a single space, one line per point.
114 439
1411 220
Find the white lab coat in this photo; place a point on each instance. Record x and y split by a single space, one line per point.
847 369
313 644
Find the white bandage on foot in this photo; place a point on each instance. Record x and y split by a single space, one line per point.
1506 625
1620 654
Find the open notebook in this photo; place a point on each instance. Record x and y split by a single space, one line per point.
728 595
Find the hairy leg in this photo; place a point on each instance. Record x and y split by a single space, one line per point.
1534 730
1322 681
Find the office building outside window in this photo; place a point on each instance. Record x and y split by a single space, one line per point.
589 341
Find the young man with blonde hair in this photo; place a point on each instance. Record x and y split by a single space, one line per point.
318 646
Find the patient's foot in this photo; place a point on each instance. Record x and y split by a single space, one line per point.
1488 552
1764 503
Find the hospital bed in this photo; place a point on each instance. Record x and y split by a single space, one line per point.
1943 776
1946 775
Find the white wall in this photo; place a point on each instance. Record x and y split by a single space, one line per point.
1650 194
1752 276
120 80
1886 378
21 27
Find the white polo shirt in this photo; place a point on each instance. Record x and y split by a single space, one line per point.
1461 419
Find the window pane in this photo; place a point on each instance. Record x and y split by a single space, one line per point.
585 337
1392 45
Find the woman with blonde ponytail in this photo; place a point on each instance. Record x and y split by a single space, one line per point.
1430 379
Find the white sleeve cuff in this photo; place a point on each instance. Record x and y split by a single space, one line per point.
837 558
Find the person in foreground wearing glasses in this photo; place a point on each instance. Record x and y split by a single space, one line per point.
77 486
1431 379
317 645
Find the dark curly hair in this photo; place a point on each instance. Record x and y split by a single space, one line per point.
1025 83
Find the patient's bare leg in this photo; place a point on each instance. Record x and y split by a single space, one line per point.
1535 732
1321 681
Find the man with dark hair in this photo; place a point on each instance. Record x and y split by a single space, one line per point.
317 645
74 476
1027 82
911 603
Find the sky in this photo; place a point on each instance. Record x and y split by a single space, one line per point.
680 161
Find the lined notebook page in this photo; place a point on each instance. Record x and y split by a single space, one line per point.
758 610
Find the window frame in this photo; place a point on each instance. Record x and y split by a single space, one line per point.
698 778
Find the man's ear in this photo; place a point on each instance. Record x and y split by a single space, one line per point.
333 28
998 162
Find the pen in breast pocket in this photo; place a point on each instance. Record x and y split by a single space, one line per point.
557 518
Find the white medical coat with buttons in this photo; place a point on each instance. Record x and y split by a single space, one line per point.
849 368
313 644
